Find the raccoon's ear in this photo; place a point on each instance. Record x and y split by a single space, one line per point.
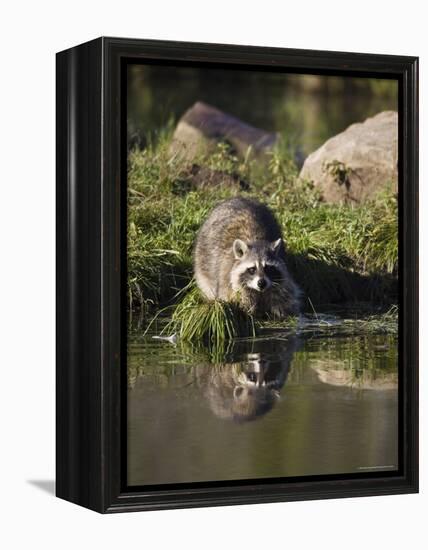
276 246
239 248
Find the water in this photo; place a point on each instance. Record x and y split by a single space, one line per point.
283 405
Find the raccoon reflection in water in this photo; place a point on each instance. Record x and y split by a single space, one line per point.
249 387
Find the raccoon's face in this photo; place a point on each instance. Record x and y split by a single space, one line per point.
255 372
258 265
253 394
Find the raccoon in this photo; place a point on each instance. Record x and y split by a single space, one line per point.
239 256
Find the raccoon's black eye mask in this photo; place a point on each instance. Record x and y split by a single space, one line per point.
251 270
273 272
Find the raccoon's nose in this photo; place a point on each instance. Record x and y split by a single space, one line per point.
261 283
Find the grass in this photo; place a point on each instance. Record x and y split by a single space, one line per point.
195 319
337 253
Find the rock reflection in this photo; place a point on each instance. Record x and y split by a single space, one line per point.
335 374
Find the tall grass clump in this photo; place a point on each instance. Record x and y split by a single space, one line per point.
196 320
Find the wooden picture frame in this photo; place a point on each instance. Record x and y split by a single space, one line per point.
91 250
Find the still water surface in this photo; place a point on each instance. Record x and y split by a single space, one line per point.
278 406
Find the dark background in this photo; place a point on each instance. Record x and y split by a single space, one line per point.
307 109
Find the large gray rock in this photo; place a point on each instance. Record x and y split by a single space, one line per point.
357 163
203 126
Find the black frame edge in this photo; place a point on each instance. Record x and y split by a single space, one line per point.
88 273
79 473
410 267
